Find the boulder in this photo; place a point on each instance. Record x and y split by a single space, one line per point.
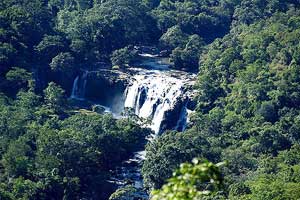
98 109
172 116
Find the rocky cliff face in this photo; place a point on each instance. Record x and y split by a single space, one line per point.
107 87
152 90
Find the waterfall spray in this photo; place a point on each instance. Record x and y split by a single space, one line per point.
152 95
79 86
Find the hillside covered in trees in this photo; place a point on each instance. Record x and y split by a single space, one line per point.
246 54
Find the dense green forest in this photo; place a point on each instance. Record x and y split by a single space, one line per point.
247 114
246 54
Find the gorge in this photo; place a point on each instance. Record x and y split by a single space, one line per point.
149 99
150 90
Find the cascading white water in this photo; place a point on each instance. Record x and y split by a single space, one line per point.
75 87
79 85
183 120
153 93
154 90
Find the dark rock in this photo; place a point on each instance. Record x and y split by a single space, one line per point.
79 104
98 109
172 116
143 97
164 53
65 80
107 189
107 88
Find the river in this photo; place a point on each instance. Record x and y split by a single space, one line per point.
157 93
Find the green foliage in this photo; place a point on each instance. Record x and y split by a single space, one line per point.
50 46
276 178
151 3
24 189
243 92
126 193
268 111
7 52
268 188
63 62
35 35
173 38
206 18
43 156
247 104
191 181
123 57
16 79
54 97
165 154
106 27
188 57
18 76
23 24
16 160
247 96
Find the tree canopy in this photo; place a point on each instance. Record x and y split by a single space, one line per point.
246 54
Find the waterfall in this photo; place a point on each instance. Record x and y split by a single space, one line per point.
154 93
160 95
75 87
79 85
183 119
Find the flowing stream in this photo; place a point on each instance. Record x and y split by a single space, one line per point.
156 93
79 85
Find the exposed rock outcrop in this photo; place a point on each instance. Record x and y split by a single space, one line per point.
107 87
